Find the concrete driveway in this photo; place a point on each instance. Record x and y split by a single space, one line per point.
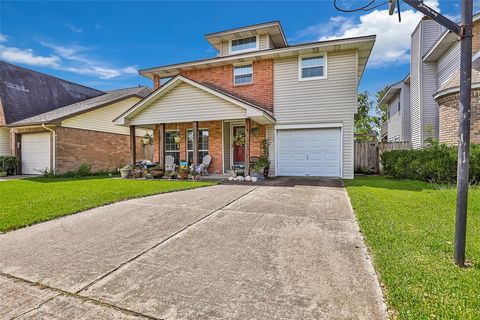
290 250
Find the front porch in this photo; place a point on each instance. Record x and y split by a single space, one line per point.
190 142
191 120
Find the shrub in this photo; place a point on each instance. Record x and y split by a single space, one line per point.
435 163
8 164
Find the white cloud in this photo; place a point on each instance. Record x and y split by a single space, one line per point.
74 29
27 56
67 58
393 38
3 38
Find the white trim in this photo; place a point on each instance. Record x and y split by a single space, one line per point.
250 110
233 125
257 45
300 68
308 126
242 65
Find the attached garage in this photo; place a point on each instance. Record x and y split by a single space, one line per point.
35 152
309 152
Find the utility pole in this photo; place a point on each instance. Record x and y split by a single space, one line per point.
464 32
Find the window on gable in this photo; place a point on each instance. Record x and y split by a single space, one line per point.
243 74
312 67
244 44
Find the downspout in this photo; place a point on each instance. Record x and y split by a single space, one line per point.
53 147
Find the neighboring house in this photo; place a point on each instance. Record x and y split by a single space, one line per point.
434 84
302 98
57 125
397 99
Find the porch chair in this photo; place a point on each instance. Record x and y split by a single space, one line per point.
170 163
203 167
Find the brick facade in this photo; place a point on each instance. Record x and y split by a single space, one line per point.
259 93
102 150
448 118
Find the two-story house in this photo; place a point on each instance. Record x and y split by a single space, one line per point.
301 98
433 87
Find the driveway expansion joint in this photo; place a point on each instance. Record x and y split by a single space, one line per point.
61 292
163 241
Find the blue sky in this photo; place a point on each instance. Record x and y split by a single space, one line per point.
102 44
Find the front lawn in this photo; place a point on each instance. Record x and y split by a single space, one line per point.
409 228
29 201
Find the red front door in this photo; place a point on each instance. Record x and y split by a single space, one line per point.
238 151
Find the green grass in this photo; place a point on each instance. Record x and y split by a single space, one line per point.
409 228
30 201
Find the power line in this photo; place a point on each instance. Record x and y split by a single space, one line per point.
367 7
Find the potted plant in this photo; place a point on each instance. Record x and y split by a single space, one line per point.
157 171
176 137
137 173
173 175
183 173
147 138
126 171
239 139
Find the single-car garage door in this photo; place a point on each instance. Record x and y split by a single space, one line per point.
309 152
35 152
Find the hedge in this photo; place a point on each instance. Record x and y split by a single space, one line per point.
435 163
8 164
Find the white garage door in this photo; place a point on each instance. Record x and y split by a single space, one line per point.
35 152
309 152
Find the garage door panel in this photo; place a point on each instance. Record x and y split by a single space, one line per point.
309 152
35 152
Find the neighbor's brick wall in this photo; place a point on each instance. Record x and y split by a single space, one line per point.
448 118
103 151
259 93
214 141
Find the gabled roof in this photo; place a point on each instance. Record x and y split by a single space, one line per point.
394 89
84 106
444 42
25 93
273 28
363 45
251 109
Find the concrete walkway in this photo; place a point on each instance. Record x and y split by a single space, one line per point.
284 251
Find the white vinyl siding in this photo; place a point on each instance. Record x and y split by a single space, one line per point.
448 64
406 113
4 142
101 119
395 121
326 101
264 42
424 109
187 103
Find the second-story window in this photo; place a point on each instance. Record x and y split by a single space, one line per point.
245 44
243 74
312 67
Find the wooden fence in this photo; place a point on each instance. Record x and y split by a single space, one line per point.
367 154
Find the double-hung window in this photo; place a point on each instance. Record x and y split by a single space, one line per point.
171 147
202 144
243 74
312 67
244 44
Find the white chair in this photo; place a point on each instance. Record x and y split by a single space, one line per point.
170 163
203 167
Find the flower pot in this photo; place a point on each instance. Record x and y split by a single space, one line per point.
125 173
146 140
156 174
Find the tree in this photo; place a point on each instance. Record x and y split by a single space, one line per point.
364 122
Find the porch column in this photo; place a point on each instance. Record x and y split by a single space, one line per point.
195 143
133 146
156 82
247 146
161 144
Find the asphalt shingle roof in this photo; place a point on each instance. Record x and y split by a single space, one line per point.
25 93
87 105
